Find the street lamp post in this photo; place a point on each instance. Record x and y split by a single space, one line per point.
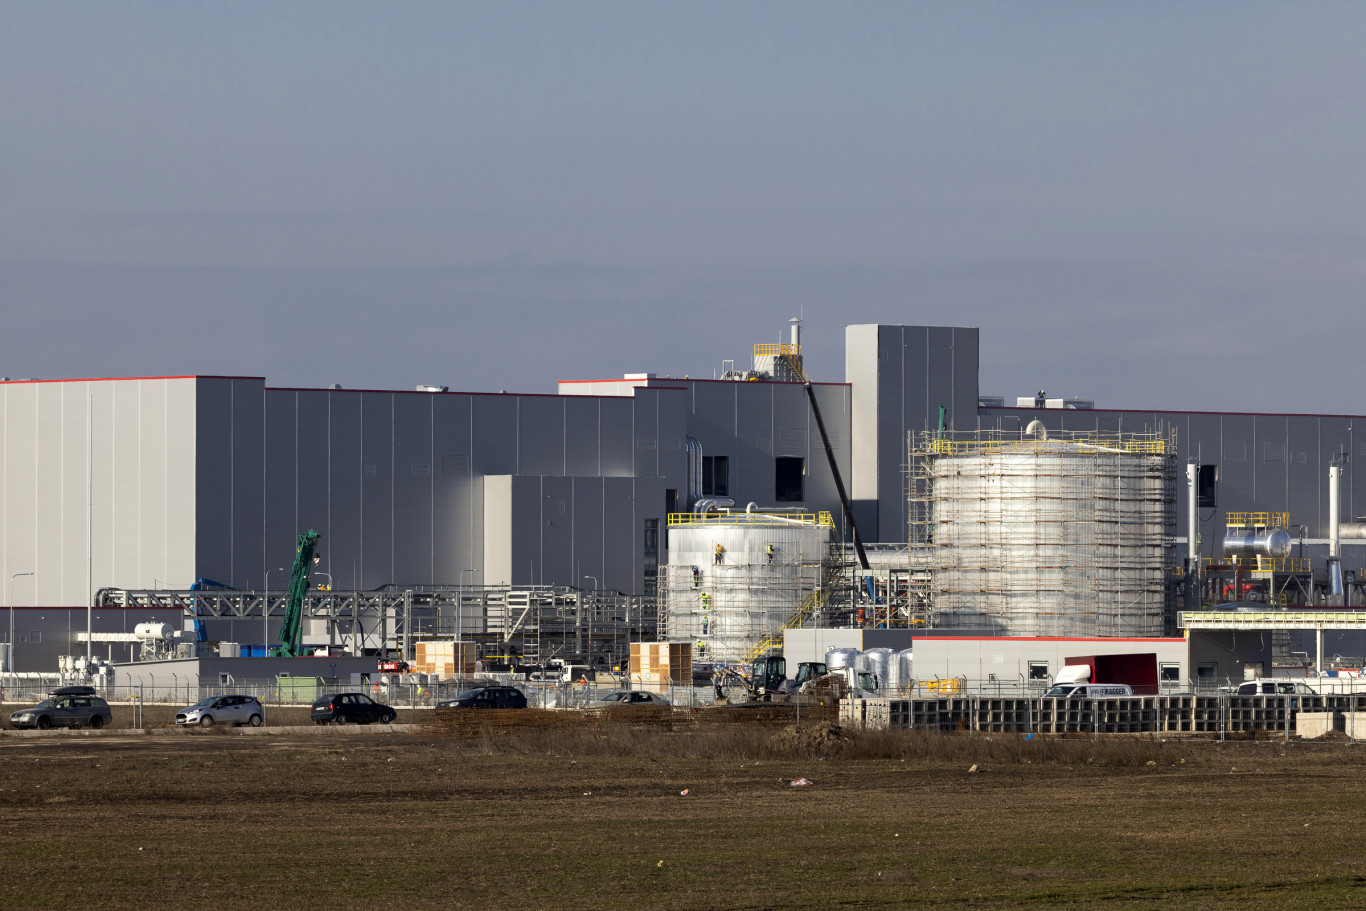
265 608
9 662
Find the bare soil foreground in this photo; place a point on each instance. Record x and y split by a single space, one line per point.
652 812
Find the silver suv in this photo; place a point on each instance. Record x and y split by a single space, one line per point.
231 709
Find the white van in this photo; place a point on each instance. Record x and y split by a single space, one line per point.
1089 691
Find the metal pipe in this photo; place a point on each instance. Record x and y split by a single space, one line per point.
1192 514
1334 518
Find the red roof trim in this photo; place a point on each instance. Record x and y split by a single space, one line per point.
525 395
116 379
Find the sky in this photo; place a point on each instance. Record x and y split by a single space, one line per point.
1155 206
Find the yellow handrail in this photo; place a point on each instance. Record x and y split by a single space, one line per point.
1062 446
751 518
1259 519
777 350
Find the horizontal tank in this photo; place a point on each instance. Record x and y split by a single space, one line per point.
154 631
1275 543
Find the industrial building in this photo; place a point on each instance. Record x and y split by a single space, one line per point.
446 513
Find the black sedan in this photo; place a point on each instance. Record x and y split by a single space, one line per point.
487 697
350 708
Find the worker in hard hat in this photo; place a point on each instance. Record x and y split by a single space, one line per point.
720 552
768 550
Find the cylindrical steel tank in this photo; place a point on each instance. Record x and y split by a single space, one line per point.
880 663
1058 537
907 669
836 658
1275 543
735 580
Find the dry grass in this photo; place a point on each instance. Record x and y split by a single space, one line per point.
589 813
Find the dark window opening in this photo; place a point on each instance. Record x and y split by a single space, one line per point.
1170 673
651 557
716 476
1038 670
1207 486
787 484
670 501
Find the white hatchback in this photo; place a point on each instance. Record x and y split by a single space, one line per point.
231 709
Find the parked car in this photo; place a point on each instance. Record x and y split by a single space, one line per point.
632 698
1275 688
67 706
1088 691
487 697
350 708
227 709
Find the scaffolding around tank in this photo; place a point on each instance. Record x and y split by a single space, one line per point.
1045 533
735 581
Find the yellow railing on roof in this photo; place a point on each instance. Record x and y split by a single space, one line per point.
1064 446
777 350
751 518
1259 519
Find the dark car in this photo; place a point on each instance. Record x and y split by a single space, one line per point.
487 697
632 698
67 707
350 708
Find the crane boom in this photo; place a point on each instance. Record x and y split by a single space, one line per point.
291 627
839 481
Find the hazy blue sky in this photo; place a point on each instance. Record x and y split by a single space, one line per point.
1152 205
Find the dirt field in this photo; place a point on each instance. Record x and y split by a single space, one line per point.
592 815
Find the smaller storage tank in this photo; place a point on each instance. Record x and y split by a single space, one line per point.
905 668
842 657
880 663
153 631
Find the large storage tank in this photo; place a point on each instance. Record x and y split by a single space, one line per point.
1033 536
769 575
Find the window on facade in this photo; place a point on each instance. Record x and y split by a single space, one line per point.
1038 670
650 555
716 476
788 480
1207 486
1169 672
1205 671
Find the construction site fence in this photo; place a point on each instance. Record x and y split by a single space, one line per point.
1222 715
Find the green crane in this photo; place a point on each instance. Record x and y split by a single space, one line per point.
291 627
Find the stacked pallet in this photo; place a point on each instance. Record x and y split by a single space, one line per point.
658 665
440 657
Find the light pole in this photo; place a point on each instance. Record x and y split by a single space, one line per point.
9 663
265 608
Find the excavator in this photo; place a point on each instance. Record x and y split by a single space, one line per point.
291 626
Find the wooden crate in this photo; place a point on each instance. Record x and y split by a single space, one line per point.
656 665
439 657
